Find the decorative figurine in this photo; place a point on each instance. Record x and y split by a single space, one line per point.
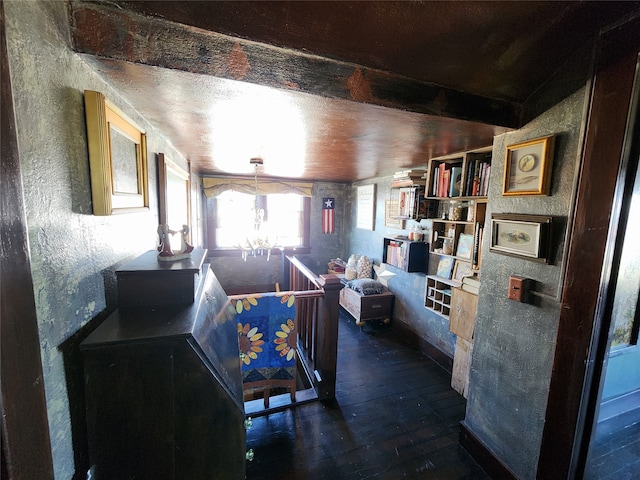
165 253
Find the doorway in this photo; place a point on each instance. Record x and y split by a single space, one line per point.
614 444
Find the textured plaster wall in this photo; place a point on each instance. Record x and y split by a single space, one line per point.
514 342
234 272
408 288
73 253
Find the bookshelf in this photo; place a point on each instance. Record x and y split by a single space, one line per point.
460 238
456 187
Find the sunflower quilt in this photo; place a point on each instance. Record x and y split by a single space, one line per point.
267 336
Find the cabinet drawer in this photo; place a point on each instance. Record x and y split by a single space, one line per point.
367 307
376 306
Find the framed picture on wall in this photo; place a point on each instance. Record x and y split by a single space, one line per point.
117 158
366 196
527 168
526 236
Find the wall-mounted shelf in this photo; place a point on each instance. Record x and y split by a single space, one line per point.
457 187
405 254
407 194
460 238
460 175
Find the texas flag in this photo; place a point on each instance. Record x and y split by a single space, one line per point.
328 215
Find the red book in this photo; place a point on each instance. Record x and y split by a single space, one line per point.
446 180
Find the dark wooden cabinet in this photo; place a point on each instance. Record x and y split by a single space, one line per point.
406 255
163 384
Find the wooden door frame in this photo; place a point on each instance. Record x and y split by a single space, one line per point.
566 422
26 447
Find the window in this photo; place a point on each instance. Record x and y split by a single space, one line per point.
286 219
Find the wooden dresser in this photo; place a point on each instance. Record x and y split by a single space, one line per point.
162 377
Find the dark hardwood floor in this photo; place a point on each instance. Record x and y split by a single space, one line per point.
395 416
615 454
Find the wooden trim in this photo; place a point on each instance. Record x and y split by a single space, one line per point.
485 457
26 447
564 428
430 350
327 336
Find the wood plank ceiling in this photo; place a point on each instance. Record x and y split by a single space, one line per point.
331 91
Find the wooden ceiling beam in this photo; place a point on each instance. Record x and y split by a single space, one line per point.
107 32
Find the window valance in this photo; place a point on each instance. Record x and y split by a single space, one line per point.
214 186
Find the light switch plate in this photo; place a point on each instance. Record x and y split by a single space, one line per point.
516 288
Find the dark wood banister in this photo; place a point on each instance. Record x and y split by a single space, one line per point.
304 270
317 303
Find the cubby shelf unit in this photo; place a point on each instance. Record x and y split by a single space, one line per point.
438 291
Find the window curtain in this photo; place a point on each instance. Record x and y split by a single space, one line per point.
215 186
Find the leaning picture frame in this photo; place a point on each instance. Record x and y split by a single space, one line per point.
117 158
526 236
461 269
174 192
390 218
528 167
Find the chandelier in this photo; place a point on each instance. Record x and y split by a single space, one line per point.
257 241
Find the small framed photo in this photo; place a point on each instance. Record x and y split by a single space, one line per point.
462 269
526 236
391 220
174 188
117 158
528 167
445 267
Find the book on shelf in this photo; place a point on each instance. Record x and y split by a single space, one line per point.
446 179
396 254
435 186
471 284
402 182
477 245
485 169
408 178
443 183
470 178
455 181
406 202
477 177
471 280
416 174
